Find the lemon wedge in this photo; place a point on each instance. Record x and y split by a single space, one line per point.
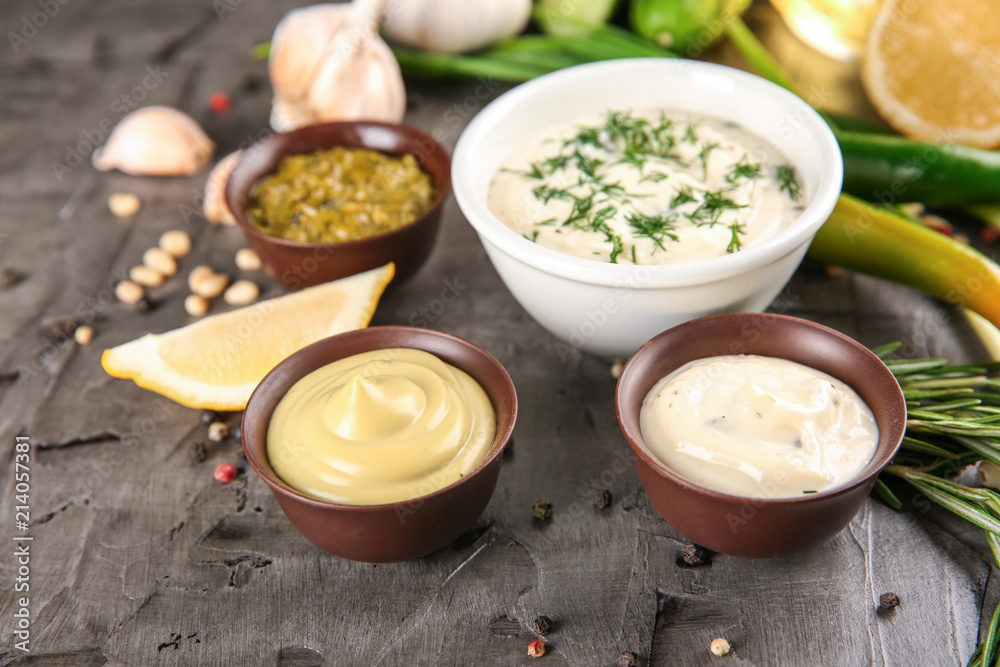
932 69
217 362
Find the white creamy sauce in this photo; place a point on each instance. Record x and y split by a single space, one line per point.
646 187
758 427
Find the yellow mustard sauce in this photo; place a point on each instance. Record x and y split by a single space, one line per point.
380 427
340 194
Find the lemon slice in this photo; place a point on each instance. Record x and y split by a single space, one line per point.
932 69
217 362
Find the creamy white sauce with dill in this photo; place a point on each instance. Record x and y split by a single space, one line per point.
757 426
646 187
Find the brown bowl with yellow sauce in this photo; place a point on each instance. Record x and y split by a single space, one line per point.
331 200
413 524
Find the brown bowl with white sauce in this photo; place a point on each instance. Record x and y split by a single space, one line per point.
759 525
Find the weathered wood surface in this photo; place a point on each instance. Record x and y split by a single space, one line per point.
140 557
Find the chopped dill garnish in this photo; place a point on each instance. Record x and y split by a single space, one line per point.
689 135
545 193
787 182
734 242
685 195
654 177
744 169
711 208
654 227
703 157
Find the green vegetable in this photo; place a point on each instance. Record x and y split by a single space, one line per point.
891 169
571 17
681 25
872 240
529 56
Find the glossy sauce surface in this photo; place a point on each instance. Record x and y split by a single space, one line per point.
757 426
380 427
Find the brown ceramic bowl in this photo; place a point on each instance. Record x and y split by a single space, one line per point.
395 531
758 527
295 264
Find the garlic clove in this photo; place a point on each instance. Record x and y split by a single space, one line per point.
298 45
372 77
156 141
455 26
286 115
214 207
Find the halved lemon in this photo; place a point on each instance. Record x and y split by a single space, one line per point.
217 362
932 69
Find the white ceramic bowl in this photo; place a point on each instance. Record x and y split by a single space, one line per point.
612 309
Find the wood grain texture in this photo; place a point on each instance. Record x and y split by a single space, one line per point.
140 557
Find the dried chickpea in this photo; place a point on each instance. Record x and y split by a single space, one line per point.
247 259
124 205
83 335
210 286
160 261
199 273
129 292
145 276
176 242
241 293
195 305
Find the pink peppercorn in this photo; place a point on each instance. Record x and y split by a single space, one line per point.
225 472
219 103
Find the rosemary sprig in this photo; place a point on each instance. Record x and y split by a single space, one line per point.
950 424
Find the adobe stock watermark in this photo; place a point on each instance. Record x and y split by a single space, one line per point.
424 316
32 23
92 138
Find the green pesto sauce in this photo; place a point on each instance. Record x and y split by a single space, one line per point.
340 194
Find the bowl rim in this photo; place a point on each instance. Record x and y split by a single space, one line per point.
279 485
279 138
642 451
584 270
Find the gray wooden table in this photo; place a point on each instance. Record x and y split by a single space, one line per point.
140 557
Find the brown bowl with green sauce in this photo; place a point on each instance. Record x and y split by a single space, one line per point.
327 201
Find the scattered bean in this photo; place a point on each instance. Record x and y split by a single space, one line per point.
195 305
124 204
616 369
218 431
198 274
241 293
84 335
210 286
176 242
160 261
720 646
247 259
129 292
888 601
145 276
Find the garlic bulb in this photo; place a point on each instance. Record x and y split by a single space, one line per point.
328 63
455 26
156 141
214 207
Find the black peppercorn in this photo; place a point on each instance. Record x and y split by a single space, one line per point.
209 417
694 555
236 433
542 625
542 509
627 659
61 329
602 499
888 601
144 305
198 452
